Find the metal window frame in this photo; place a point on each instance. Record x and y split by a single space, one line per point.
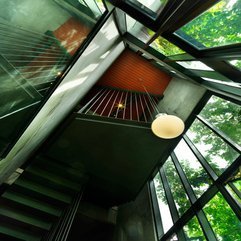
218 185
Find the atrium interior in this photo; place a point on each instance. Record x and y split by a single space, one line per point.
81 83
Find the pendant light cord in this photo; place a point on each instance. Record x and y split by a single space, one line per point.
153 103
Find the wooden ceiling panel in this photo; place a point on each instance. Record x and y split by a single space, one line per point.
131 71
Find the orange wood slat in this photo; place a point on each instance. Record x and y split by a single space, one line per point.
127 71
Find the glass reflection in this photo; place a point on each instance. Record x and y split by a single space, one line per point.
138 30
180 197
163 206
194 171
37 43
194 65
217 152
150 6
224 115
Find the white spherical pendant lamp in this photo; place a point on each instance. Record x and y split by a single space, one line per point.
167 126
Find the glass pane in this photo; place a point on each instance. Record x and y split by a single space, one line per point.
173 238
138 30
194 171
234 185
236 63
163 206
233 194
194 65
217 152
225 115
37 43
100 5
193 230
154 5
223 82
178 192
165 47
223 220
218 26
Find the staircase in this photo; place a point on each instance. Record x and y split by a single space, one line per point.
31 206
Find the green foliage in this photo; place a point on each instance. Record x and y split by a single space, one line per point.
165 47
193 230
218 26
194 171
222 219
225 116
180 197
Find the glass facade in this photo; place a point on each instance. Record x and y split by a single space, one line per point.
138 30
150 7
165 47
37 43
195 185
236 63
216 27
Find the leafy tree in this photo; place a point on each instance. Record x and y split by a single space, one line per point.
225 116
165 47
193 230
218 26
222 219
180 197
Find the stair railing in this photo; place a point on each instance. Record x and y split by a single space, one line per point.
61 229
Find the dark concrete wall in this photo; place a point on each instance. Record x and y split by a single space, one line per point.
135 220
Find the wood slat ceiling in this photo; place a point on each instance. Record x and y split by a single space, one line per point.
131 71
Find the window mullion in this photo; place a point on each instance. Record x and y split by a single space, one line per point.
156 210
169 196
234 188
224 137
201 159
184 179
207 230
171 203
232 203
206 227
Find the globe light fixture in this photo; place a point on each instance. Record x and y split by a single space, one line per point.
164 126
167 126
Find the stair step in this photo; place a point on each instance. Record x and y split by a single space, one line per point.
41 180
8 210
19 230
32 202
42 197
60 168
24 182
39 214
53 179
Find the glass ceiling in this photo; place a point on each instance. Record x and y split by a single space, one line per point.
219 26
236 63
138 30
216 27
165 47
150 6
